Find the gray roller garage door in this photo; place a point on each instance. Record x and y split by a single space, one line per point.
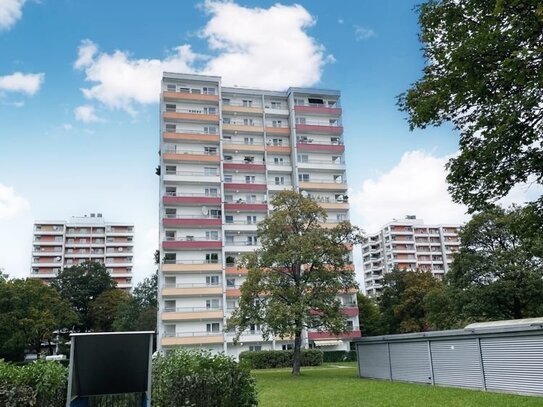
457 363
410 362
373 361
513 364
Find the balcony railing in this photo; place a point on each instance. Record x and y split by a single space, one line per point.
200 152
189 131
335 105
193 173
241 104
242 123
324 180
192 309
241 243
195 262
170 216
192 239
192 194
191 334
192 111
253 143
193 285
303 140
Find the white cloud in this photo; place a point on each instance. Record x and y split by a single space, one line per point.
86 114
11 204
10 13
28 83
67 126
363 33
266 48
340 21
415 186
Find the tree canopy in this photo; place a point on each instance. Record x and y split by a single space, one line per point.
483 73
295 278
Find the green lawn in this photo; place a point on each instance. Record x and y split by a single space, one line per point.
335 386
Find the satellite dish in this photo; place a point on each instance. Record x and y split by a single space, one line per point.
304 194
205 210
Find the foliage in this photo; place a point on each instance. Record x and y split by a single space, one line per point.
146 292
369 316
104 309
30 312
294 279
402 301
498 272
269 359
196 378
339 356
40 384
80 285
140 313
484 74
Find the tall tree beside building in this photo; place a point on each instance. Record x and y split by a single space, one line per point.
294 279
483 74
369 316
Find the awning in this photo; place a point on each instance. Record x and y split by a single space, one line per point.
328 343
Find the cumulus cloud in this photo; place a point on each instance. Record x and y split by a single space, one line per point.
11 204
20 82
363 33
415 186
257 47
86 114
10 12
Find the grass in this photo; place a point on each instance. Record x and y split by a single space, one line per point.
337 385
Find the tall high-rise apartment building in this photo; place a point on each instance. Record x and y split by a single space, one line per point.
60 244
225 152
407 244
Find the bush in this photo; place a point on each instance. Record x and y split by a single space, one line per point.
197 378
40 384
269 359
339 356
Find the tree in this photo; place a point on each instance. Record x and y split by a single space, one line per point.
483 73
295 278
80 285
30 313
105 308
146 292
499 268
369 316
402 301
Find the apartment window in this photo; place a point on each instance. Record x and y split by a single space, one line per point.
247 103
299 102
332 122
303 158
171 212
278 160
208 91
255 348
183 89
338 179
213 303
171 128
254 328
215 213
251 220
303 177
276 105
210 150
334 140
229 239
288 346
279 180
210 171
225 101
212 235
350 325
249 140
226 120
231 282
336 159
341 217
170 281
211 192
170 88
300 120
250 198
212 280
171 191
248 122
228 219
231 304
248 159
210 110
250 179
227 178
277 123
277 141
331 103
213 327
212 258
169 330
170 107
169 258
210 130
171 169
252 241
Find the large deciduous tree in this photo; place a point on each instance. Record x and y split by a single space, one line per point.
80 285
295 278
369 316
483 73
104 310
140 313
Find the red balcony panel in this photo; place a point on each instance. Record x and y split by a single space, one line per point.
243 207
194 244
244 187
329 148
350 311
245 167
180 200
327 335
191 222
317 128
331 111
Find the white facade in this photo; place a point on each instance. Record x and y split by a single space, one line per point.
407 244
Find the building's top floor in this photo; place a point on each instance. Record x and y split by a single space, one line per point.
91 220
412 225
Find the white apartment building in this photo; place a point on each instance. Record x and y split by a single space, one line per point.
60 244
407 244
224 153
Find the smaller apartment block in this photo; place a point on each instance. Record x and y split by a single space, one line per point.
60 244
407 244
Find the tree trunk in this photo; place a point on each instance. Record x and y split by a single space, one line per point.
297 355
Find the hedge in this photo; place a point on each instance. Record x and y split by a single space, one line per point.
269 359
339 356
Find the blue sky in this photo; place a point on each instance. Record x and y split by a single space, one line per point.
66 152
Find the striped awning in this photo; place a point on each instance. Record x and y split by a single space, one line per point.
328 343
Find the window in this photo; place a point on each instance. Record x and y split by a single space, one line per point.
248 159
169 330
212 258
228 158
171 212
215 213
249 140
169 258
171 128
248 122
303 177
350 325
333 122
213 327
170 87
250 198
247 103
210 130
170 235
171 169
254 328
336 159
229 239
252 241
231 304
183 89
341 217
288 346
228 198
334 140
212 235
208 91
338 179
170 107
225 101
299 102
251 220
300 120
231 282
278 160
250 179
229 219
170 282
226 138
211 192
210 171
210 110
227 178
255 348
277 141
277 123
226 120
212 280
331 103
303 158
210 150
213 303
276 105
279 180
315 101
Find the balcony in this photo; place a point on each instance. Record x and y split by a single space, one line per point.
308 145
191 199
334 205
194 314
278 130
191 266
234 186
191 136
318 184
190 156
192 243
244 167
240 127
233 292
192 338
190 116
201 97
235 147
318 109
278 149
350 311
180 290
241 108
235 270
332 163
318 127
192 177
312 336
191 220
246 207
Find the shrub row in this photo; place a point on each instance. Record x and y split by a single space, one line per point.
339 356
269 359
